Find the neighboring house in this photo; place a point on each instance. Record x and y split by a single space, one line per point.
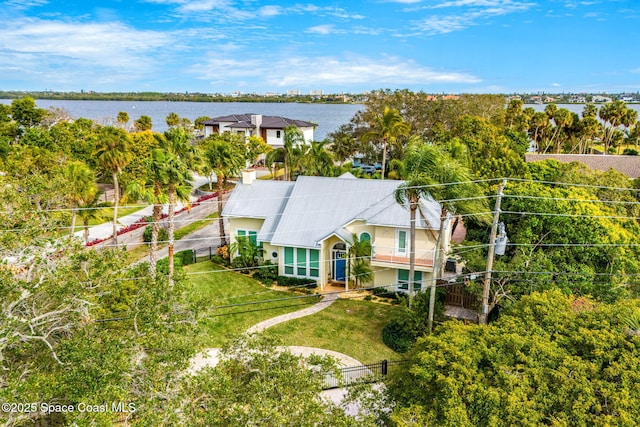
270 128
306 227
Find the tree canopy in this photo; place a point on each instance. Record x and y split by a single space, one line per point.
551 360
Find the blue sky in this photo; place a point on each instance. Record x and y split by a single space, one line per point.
222 46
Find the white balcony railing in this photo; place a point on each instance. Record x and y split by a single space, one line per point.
386 255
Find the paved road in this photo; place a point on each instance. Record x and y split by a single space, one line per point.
200 240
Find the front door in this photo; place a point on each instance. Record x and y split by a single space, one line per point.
339 266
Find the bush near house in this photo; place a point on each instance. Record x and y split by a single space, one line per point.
404 329
296 282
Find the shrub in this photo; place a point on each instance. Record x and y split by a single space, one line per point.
223 252
297 282
268 271
186 257
403 330
398 336
162 234
385 293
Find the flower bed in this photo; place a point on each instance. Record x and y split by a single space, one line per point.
142 222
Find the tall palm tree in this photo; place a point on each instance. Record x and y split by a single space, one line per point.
81 187
181 158
614 114
418 162
151 188
386 128
224 155
113 153
432 173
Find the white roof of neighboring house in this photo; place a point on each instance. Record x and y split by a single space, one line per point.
305 212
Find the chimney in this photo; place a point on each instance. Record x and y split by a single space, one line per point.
248 176
256 120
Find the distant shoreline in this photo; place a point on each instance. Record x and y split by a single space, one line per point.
181 97
247 98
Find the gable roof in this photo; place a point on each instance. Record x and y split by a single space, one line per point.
314 208
260 199
243 121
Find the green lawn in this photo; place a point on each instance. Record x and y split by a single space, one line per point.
347 326
225 288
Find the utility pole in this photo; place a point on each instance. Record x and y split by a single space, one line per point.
484 316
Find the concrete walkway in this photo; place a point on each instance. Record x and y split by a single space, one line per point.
327 300
210 356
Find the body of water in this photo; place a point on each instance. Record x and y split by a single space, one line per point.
328 116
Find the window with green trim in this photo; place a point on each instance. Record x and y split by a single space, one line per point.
252 235
403 279
288 260
314 263
301 262
401 242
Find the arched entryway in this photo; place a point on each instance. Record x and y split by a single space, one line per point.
339 262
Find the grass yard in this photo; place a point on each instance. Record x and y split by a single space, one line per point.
222 288
348 326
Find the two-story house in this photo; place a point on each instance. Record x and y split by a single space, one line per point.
270 128
306 227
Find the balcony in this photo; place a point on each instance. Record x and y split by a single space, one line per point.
387 257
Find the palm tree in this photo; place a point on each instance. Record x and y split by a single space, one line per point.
150 188
113 153
317 160
614 113
225 157
418 162
180 159
387 127
81 187
359 262
432 173
291 152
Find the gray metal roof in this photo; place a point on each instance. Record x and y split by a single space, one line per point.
268 122
307 211
260 199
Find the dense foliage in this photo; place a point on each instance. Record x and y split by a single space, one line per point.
551 360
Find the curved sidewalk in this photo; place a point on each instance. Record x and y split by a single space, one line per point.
326 302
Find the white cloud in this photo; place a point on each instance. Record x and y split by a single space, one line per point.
99 43
268 11
25 4
479 10
71 55
329 71
556 84
322 29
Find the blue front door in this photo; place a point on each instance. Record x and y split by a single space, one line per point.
339 265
